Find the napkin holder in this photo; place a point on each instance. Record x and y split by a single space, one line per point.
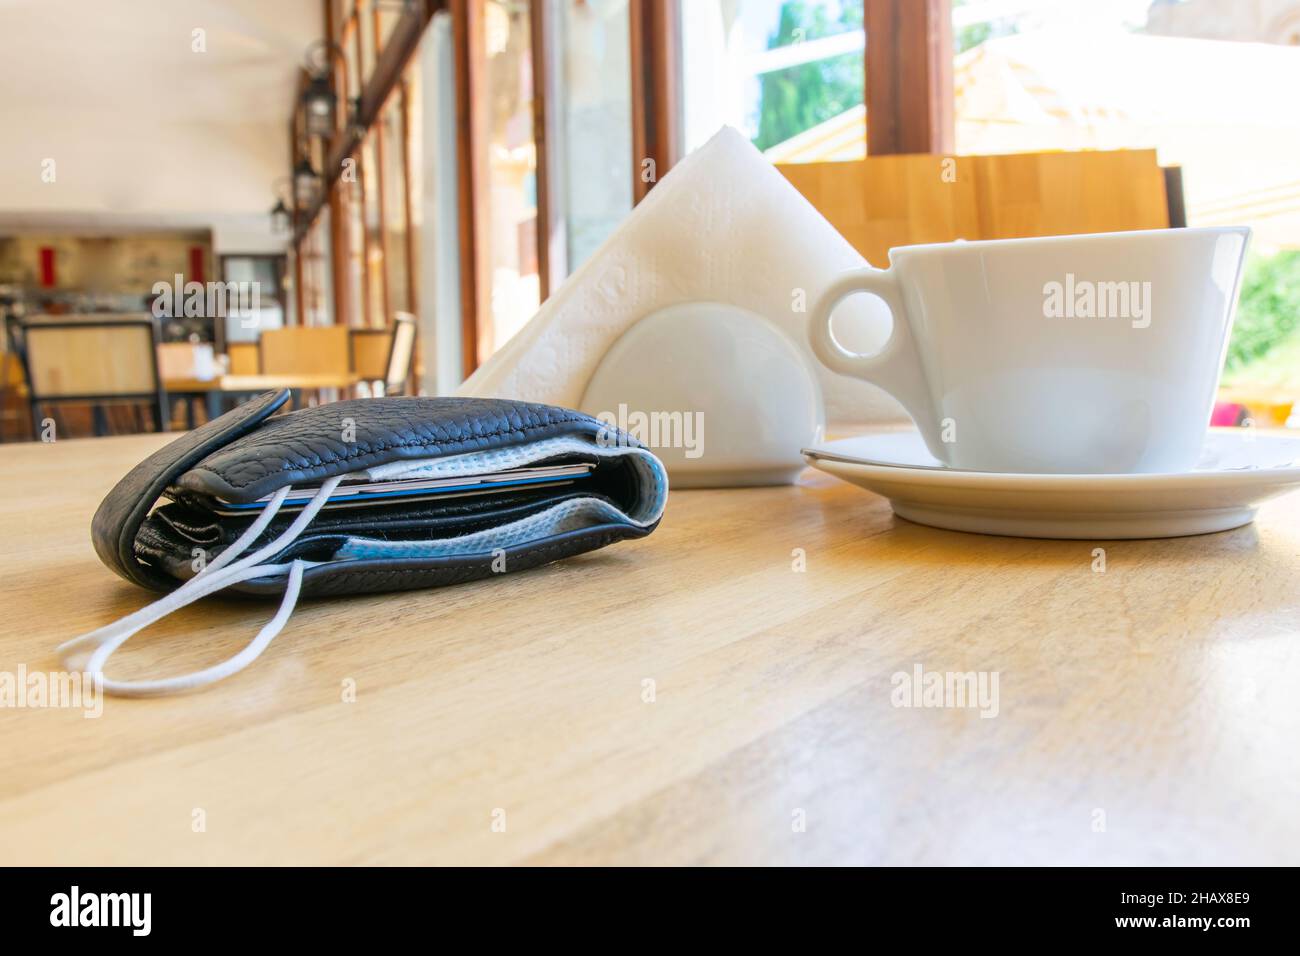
719 393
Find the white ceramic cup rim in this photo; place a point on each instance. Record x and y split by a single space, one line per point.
1085 237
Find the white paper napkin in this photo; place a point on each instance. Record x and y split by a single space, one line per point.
722 226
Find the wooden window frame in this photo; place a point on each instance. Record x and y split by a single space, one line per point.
412 259
655 35
377 132
341 31
467 36
909 78
908 97
391 61
552 242
476 278
367 318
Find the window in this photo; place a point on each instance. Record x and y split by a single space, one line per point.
507 166
1209 84
367 37
373 232
350 41
317 273
789 74
387 16
593 148
352 258
393 147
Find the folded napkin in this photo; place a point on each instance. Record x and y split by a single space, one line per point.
722 226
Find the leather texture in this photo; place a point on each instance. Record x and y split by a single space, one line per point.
307 446
119 516
247 454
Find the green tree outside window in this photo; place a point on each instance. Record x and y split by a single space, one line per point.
799 97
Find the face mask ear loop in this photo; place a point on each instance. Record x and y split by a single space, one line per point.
253 532
209 675
216 576
145 615
291 533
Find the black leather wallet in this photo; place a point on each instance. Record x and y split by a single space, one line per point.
368 495
247 455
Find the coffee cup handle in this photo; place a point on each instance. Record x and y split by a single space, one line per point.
896 368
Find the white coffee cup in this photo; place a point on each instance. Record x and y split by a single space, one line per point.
1066 354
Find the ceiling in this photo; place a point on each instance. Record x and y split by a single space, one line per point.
135 59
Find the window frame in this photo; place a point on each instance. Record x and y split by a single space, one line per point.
908 94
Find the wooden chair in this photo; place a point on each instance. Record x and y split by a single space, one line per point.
306 350
370 348
887 201
245 358
186 360
385 355
400 354
95 360
13 382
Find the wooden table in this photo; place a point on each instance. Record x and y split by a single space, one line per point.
261 383
1146 714
216 390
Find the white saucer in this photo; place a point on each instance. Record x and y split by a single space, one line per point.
1237 472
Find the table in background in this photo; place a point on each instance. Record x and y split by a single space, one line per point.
215 391
689 698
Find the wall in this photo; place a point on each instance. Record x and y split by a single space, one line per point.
119 175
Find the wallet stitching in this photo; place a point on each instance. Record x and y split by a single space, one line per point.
372 449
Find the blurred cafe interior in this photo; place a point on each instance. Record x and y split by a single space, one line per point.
204 199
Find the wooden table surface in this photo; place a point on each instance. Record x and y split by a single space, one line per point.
689 698
261 383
